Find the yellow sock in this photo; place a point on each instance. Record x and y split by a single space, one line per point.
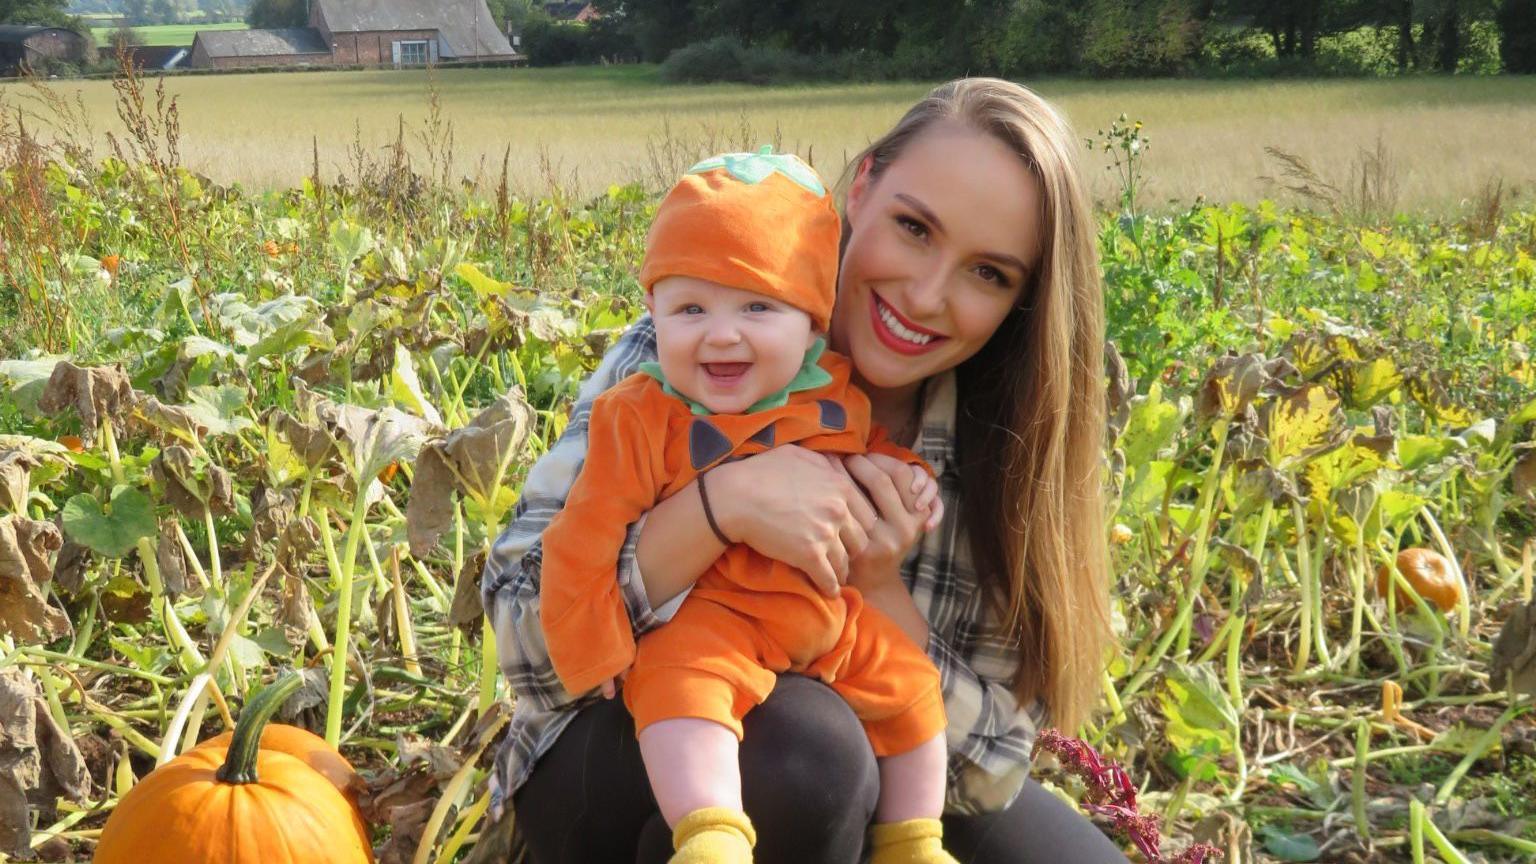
915 841
713 835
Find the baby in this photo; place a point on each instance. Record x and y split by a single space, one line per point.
740 274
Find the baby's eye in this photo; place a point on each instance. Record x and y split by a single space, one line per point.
912 226
759 307
693 309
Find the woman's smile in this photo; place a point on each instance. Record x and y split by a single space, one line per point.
897 332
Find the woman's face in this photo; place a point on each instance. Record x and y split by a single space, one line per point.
940 246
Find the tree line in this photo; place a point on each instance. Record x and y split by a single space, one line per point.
1093 37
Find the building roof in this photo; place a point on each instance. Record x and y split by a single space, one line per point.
262 43
22 32
569 11
467 27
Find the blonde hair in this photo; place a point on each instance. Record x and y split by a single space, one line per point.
1031 406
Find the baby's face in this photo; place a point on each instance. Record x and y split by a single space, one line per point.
723 347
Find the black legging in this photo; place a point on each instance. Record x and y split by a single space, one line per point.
809 783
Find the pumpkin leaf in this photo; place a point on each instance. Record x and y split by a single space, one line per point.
220 409
25 379
1302 423
1289 846
112 532
406 390
1152 424
25 545
1200 718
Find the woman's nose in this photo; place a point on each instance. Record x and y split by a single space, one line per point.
926 294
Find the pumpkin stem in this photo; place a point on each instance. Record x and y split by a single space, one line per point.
240 762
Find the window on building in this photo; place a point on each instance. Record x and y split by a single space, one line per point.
413 53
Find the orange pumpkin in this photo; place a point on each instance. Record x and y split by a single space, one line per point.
303 745
110 263
72 443
1429 574
243 805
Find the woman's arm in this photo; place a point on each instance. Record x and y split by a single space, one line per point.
990 734
788 503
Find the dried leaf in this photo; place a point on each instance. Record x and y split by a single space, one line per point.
15 483
1514 651
25 613
1231 384
403 800
70 566
172 560
171 419
94 392
176 470
467 611
38 761
1523 475
1120 389
312 441
271 511
470 460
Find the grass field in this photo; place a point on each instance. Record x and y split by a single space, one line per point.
166 34
1444 138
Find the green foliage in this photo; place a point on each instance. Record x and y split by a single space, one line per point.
53 13
271 14
548 42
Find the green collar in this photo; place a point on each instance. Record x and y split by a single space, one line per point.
810 376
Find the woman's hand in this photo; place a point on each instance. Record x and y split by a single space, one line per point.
909 506
907 500
795 506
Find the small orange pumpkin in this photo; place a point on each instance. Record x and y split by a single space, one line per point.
243 805
110 263
72 443
1429 574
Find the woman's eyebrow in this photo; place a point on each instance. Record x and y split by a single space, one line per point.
938 225
922 210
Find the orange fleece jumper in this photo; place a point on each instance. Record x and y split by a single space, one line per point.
748 617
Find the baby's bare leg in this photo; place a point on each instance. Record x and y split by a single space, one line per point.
692 764
911 783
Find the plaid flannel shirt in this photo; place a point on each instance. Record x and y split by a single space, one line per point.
989 734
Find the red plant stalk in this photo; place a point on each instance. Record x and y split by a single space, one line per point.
1111 795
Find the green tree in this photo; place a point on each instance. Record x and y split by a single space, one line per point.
53 13
1517 36
273 14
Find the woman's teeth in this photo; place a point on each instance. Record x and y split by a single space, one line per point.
889 318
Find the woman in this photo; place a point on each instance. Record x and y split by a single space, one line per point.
969 302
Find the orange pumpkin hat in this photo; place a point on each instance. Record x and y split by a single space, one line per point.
761 222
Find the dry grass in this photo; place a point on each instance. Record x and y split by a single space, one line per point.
1447 139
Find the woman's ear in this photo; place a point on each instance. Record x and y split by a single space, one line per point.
863 176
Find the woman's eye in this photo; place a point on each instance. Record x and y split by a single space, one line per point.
992 274
912 226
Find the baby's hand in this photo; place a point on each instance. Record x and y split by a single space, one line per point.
610 688
927 501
